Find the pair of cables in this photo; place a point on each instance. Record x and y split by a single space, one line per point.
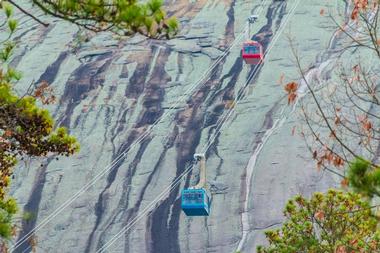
153 204
141 138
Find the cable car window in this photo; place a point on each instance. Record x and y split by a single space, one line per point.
251 50
193 197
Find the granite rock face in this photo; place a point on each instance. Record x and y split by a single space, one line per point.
142 108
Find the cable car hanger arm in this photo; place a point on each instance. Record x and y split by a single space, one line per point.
202 163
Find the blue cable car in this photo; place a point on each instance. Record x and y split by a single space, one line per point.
195 202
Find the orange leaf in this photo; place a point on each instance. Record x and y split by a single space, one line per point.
355 13
319 165
291 87
338 161
319 215
344 183
354 242
8 133
337 120
341 249
292 97
367 126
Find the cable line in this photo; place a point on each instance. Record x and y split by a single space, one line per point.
124 153
220 124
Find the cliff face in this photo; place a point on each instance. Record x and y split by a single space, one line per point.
111 93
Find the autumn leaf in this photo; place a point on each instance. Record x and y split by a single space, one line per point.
291 87
373 244
8 133
341 249
44 93
338 161
329 157
319 215
291 98
337 120
344 183
367 125
319 165
354 242
361 4
281 80
355 13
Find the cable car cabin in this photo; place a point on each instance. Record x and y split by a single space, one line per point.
195 202
252 52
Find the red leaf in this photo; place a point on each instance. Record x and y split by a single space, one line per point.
291 87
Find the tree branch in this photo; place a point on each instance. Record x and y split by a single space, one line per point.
27 13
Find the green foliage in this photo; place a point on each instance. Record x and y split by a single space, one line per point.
364 177
25 129
8 207
125 17
332 222
8 9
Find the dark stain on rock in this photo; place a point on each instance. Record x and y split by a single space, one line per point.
154 94
51 72
32 206
165 235
137 80
101 204
230 27
86 78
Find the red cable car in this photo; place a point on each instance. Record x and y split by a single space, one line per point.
252 52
